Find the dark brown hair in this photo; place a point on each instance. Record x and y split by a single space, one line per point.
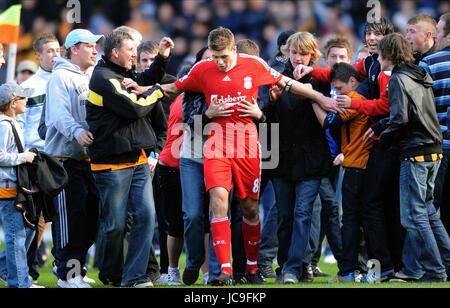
220 39
384 26
395 48
343 72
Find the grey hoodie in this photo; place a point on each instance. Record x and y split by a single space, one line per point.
65 111
9 154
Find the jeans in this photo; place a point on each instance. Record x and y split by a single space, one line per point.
269 239
427 238
195 211
326 218
18 238
295 201
442 191
123 191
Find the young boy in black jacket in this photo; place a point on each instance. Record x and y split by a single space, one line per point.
414 125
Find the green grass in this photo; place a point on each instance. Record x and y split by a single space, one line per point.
48 280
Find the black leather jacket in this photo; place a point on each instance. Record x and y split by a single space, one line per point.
413 122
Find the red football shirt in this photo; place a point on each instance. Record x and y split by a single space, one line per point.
241 82
170 155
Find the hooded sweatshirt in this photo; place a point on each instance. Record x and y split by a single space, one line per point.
9 156
31 118
413 119
65 110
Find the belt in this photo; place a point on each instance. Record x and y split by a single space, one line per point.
427 158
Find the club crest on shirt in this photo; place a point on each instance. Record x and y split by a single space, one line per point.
248 83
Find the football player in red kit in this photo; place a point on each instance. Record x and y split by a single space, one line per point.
231 154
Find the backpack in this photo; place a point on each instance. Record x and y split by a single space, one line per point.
37 184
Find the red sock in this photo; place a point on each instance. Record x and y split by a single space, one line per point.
221 235
252 241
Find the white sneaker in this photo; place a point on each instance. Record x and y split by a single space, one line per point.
329 259
163 279
36 286
174 277
205 278
88 280
74 283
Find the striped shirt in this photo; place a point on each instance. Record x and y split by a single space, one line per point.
438 66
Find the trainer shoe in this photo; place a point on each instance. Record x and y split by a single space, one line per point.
307 274
73 283
222 280
173 277
108 281
36 286
88 280
402 277
190 276
267 271
140 285
205 278
372 277
318 272
349 278
289 278
255 278
163 279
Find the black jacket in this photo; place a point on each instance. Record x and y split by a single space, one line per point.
413 122
121 122
304 150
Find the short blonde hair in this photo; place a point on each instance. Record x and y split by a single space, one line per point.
304 42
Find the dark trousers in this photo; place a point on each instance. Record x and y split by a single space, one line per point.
170 198
352 221
442 191
32 255
76 227
162 233
381 194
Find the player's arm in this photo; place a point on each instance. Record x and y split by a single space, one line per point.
295 87
171 90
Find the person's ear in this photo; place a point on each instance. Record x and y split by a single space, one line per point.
115 53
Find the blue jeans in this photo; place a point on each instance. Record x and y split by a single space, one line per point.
18 238
123 191
426 238
269 239
295 201
195 204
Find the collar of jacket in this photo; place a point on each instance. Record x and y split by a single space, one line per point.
119 69
289 72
